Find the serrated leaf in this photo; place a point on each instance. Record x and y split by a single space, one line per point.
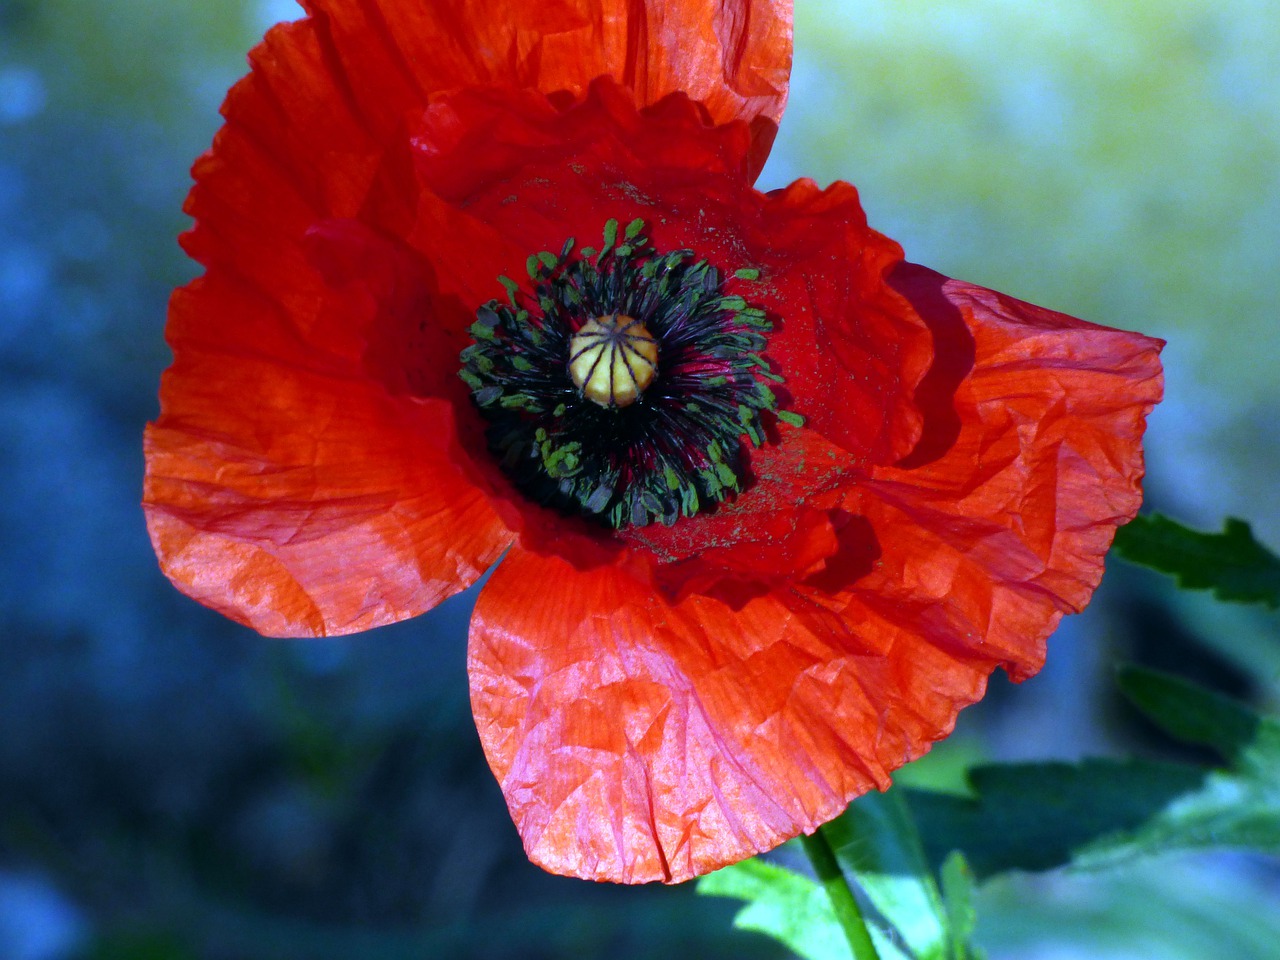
781 904
1232 564
1037 816
1194 715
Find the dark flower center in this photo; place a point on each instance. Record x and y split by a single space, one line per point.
620 385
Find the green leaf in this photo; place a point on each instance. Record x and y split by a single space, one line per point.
876 844
1038 816
1232 564
1247 741
781 904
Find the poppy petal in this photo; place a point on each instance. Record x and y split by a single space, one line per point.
636 741
1031 458
288 484
734 56
296 534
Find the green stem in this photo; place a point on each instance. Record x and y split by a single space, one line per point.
846 908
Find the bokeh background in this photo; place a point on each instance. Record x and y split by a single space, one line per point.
173 787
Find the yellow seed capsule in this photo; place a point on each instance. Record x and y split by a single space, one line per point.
612 359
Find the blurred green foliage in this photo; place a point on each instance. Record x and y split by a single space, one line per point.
1121 160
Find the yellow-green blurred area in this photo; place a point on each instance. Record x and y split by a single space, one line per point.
1117 161
173 787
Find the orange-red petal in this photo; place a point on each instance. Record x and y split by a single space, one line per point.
733 56
289 483
997 525
637 740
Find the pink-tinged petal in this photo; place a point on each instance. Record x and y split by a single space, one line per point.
637 740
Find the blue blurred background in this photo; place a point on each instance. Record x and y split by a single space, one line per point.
173 786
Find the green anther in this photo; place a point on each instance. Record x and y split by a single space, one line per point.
689 501
610 236
634 228
747 273
563 461
548 260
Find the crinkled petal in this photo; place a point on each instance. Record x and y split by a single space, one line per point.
1031 458
636 740
289 484
733 56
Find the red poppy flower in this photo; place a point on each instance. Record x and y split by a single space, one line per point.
774 502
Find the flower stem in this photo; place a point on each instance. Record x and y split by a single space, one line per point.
846 908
